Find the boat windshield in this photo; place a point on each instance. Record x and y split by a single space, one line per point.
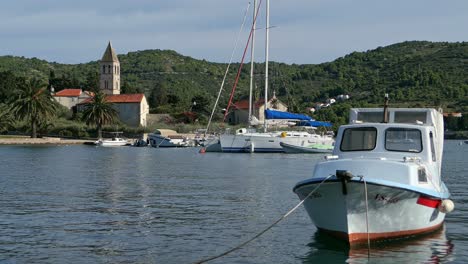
359 139
403 139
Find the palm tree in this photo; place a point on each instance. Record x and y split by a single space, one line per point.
34 103
6 119
99 112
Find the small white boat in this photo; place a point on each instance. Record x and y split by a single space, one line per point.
115 141
166 138
383 180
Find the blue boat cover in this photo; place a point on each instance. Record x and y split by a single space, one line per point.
314 123
274 114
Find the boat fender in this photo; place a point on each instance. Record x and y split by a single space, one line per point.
284 134
252 148
202 150
446 206
344 176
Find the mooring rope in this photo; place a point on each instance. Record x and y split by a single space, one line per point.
367 216
266 229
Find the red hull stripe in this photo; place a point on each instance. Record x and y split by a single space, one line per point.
429 202
360 238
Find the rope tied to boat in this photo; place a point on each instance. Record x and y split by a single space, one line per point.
267 228
367 214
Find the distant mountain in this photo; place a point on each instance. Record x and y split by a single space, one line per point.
415 73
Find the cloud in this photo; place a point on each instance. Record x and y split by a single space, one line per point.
305 31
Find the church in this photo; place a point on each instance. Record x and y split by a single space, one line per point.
132 108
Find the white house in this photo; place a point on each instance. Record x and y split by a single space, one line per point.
71 97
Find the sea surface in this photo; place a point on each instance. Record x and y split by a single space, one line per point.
86 204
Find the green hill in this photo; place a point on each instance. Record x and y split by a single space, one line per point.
413 73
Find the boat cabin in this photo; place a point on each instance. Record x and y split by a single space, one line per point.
408 133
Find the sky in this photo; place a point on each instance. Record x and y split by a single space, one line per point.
302 31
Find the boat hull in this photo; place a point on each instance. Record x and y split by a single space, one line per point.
250 143
110 143
317 148
340 209
213 146
159 141
264 142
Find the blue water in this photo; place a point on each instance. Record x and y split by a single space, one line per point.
84 204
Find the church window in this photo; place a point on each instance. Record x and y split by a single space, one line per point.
103 68
109 69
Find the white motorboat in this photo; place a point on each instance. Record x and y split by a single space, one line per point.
115 141
383 179
166 138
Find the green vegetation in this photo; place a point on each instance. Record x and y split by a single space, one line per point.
415 74
35 104
6 119
99 112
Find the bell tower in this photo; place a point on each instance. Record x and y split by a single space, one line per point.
109 80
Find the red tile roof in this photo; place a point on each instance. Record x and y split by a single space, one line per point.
68 93
120 98
125 98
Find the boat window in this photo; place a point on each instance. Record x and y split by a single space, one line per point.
409 117
403 139
359 139
433 153
371 117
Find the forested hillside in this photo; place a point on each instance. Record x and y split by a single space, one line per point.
413 73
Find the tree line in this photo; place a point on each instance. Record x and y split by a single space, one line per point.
414 74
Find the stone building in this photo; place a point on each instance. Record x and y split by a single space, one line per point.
71 97
132 108
109 78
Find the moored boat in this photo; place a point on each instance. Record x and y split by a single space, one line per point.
249 140
307 147
383 180
166 138
115 141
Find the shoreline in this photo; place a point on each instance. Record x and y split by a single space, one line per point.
44 140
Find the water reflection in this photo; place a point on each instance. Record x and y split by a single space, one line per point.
429 248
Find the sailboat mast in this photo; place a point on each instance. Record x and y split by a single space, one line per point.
252 61
267 47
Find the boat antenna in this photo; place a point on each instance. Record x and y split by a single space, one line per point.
385 110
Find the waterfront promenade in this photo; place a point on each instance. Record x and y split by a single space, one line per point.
43 140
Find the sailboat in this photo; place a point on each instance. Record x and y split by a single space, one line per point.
249 140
